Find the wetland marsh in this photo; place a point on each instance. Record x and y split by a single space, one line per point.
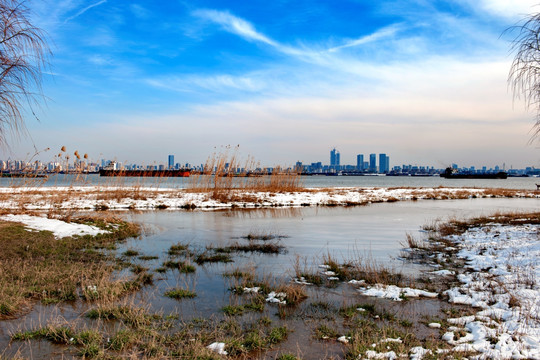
200 270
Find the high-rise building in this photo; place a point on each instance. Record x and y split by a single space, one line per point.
384 163
171 161
373 162
360 162
334 157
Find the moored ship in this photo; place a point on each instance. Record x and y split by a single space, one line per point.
146 173
450 173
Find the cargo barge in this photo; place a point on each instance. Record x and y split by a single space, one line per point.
146 173
452 174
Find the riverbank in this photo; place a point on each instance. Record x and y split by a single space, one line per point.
70 198
479 300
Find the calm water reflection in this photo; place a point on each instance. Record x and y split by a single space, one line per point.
375 230
307 181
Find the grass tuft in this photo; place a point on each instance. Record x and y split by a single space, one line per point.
180 294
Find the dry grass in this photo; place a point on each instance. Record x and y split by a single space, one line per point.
37 266
361 268
221 180
456 226
295 294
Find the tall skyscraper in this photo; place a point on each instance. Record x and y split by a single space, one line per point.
334 157
373 162
171 161
360 162
384 163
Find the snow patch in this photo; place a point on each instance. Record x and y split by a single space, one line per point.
60 229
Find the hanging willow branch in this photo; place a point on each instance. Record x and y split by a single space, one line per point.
23 55
524 76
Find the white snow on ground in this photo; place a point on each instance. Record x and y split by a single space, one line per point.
302 281
275 297
254 290
395 293
59 228
116 198
502 281
376 355
218 347
443 272
344 339
418 353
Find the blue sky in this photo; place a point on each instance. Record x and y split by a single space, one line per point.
423 81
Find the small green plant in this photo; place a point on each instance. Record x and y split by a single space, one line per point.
131 315
137 269
287 357
257 303
277 335
209 257
148 257
178 249
55 334
180 294
182 266
355 310
123 339
246 275
262 236
324 332
130 253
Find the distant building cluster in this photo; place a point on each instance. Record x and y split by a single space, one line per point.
37 166
374 164
335 167
370 166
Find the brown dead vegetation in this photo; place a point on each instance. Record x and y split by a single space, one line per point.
225 179
34 265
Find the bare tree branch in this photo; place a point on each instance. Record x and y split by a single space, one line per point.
23 56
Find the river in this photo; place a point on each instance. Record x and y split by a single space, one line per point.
306 181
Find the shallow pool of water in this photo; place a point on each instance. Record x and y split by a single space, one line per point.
375 232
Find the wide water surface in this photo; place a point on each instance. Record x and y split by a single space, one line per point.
306 181
375 232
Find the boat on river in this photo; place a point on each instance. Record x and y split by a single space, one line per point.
146 173
450 173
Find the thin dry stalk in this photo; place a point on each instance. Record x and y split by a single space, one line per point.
24 55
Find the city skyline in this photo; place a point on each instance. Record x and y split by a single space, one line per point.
129 81
382 165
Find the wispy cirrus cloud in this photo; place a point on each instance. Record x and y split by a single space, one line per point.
383 33
216 83
313 55
235 25
139 11
82 11
247 31
515 9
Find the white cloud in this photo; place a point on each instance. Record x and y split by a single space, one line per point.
450 107
235 25
217 83
99 60
139 11
82 11
385 32
510 9
247 31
